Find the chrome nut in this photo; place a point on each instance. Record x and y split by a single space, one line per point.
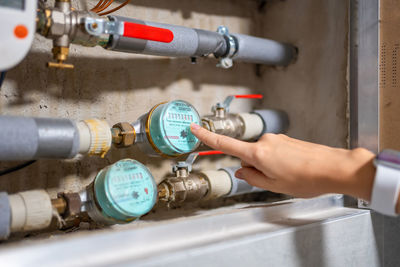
58 26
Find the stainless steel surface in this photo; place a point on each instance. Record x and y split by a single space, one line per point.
316 232
364 90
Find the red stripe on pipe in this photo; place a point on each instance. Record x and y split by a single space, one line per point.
140 31
249 96
212 152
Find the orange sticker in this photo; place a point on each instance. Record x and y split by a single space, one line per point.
21 31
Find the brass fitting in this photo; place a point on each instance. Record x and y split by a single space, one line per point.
71 204
59 204
192 188
123 135
60 54
43 21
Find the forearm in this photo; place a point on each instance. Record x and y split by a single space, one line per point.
285 165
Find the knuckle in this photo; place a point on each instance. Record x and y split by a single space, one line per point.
268 137
258 154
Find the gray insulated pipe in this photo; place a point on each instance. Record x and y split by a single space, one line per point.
5 216
275 121
188 42
263 51
33 138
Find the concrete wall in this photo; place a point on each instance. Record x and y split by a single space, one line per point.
121 87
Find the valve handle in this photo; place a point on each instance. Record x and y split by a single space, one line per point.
211 152
150 33
99 26
255 96
192 157
228 100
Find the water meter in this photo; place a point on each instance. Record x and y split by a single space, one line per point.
17 20
121 193
165 130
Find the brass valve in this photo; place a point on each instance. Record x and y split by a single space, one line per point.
60 54
123 135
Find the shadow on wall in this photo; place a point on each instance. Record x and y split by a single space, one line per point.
92 76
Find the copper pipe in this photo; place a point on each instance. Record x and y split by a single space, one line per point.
115 9
105 7
96 6
101 6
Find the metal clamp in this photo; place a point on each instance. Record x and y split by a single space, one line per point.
99 26
227 62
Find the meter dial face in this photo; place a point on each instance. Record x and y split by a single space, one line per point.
170 128
126 190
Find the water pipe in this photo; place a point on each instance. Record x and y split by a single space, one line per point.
245 126
65 25
25 138
188 186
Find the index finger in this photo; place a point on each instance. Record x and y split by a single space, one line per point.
226 144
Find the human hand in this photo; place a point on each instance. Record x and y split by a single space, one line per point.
282 164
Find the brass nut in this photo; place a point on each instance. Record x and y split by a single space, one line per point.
74 204
126 135
60 53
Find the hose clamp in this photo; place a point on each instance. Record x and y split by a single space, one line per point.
227 62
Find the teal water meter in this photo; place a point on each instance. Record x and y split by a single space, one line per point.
165 130
122 192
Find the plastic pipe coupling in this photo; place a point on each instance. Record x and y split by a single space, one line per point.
24 211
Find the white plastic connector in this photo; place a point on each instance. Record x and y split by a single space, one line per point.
220 183
84 137
30 210
253 126
95 137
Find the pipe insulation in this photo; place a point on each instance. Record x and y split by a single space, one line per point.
23 138
275 121
5 216
188 42
263 51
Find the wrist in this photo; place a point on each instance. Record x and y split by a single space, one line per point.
358 174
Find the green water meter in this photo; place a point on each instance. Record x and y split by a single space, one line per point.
165 130
122 192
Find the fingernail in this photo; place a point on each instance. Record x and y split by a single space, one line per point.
194 126
239 174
